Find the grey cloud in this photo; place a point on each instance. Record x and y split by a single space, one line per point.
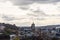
24 7
40 18
26 2
40 13
22 2
37 13
8 18
3 0
29 14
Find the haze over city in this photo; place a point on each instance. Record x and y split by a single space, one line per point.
24 12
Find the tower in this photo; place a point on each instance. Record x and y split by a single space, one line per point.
33 26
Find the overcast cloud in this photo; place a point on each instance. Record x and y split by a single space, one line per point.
26 2
24 12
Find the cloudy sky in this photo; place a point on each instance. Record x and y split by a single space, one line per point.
24 12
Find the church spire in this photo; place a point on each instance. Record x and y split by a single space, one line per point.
33 23
33 26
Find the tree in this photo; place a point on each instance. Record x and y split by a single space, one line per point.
16 38
7 31
54 38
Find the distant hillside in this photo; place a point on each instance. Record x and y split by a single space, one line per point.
50 26
9 25
15 27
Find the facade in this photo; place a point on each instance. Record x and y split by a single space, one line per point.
1 28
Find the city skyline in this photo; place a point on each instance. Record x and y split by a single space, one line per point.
25 12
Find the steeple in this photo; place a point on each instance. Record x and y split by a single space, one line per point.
33 26
33 23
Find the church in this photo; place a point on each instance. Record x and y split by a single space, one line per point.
29 31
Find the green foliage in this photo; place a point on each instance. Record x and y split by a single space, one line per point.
7 31
16 38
